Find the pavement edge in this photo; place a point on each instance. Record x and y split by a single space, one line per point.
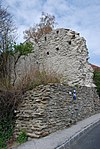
76 137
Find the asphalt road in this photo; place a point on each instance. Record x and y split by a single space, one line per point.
88 141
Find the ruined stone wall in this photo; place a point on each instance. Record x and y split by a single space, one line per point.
49 108
61 51
64 52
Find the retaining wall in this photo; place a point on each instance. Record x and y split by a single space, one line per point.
49 108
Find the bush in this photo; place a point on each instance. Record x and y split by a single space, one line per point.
22 137
35 78
8 103
97 81
3 144
6 131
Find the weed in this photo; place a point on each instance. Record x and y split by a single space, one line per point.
22 137
35 78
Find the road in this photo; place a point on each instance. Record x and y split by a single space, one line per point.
89 141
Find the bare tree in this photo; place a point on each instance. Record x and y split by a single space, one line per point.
7 34
46 25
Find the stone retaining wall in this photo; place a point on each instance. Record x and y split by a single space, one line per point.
49 108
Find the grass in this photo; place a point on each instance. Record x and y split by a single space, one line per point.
35 78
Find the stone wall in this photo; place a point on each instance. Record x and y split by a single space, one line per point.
49 108
62 51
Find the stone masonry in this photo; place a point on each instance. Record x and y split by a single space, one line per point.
49 108
62 51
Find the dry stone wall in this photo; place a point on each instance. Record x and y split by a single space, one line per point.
64 52
49 108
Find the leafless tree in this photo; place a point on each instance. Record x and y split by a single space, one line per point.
7 36
46 25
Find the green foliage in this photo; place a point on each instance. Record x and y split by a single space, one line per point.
3 145
22 137
8 103
97 81
23 49
6 131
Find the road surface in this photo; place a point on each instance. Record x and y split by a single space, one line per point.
89 141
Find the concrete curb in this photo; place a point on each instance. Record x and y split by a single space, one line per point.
76 137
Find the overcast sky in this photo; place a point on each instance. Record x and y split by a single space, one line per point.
80 15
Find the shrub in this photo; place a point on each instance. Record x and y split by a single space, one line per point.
22 137
35 78
97 81
2 143
8 103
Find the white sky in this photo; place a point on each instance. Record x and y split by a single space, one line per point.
80 15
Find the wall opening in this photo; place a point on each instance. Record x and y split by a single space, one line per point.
45 38
47 53
69 42
57 49
73 36
57 32
87 59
